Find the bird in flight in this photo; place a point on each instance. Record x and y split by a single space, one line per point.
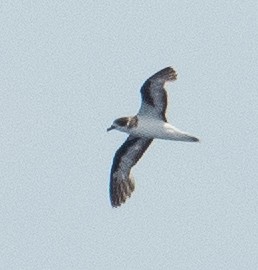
149 123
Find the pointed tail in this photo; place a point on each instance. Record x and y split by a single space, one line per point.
177 135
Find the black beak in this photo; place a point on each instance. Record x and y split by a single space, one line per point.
112 127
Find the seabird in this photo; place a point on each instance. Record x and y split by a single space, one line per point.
149 123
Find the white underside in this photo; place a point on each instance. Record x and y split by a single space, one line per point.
155 128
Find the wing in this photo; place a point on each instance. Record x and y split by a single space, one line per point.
121 182
154 95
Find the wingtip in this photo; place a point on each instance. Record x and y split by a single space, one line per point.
172 74
120 191
168 73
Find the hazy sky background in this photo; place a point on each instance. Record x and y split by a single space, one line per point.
68 69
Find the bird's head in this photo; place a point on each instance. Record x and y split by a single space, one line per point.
120 124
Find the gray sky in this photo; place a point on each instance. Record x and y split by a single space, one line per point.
68 69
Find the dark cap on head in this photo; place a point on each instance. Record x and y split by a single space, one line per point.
123 121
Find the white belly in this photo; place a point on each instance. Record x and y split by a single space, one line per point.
152 128
155 128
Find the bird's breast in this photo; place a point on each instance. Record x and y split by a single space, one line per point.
150 128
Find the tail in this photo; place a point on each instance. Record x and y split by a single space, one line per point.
187 138
120 190
177 135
